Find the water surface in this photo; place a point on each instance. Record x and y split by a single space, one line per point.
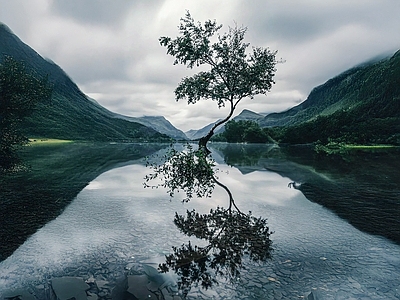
114 222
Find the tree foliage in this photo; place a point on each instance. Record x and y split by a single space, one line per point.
230 236
20 91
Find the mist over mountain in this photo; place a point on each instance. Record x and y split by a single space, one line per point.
73 115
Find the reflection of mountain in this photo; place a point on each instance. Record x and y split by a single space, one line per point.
28 200
363 188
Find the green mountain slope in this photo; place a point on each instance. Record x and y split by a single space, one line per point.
361 105
71 114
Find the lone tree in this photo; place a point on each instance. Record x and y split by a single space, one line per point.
233 74
20 91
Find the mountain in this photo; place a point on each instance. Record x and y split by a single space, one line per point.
71 114
195 134
361 105
364 83
246 114
158 123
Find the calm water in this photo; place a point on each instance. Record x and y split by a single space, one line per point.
114 222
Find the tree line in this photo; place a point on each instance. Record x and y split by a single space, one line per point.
20 92
244 131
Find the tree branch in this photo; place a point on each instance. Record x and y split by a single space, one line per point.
231 200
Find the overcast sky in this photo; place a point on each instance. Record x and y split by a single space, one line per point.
110 48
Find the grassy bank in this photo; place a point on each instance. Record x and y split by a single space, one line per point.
338 148
46 142
367 147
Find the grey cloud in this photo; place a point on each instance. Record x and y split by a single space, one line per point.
98 12
298 22
103 67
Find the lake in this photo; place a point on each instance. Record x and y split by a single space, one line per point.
336 236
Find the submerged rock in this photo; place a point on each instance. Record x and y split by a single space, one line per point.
19 294
66 288
313 296
138 287
145 282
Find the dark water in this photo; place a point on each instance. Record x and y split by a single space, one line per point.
113 222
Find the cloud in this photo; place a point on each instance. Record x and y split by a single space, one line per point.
95 12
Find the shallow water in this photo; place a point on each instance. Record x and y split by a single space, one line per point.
115 222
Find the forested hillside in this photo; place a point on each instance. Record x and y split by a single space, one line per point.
361 105
70 114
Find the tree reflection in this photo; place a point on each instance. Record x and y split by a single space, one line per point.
230 234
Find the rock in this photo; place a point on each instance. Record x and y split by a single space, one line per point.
66 288
148 283
101 284
273 279
313 296
137 287
92 296
19 294
264 280
90 280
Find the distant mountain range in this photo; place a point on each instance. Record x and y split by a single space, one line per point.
73 115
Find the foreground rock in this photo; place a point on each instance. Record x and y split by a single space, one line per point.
145 282
66 288
19 294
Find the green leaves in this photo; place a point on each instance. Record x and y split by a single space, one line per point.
233 73
245 131
192 47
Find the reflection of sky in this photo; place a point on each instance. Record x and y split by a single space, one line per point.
263 187
115 212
